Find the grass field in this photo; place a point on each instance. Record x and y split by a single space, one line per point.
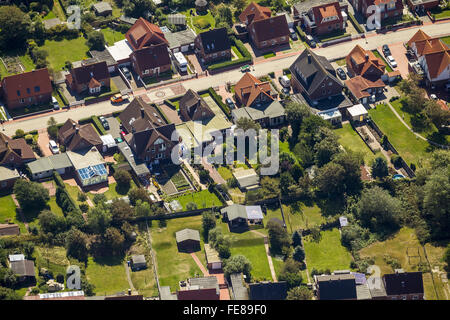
54 207
112 36
115 192
108 275
397 247
350 140
203 199
65 50
328 253
411 148
8 212
53 259
174 266
200 23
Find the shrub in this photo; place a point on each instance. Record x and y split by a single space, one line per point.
19 133
218 100
122 177
59 181
84 207
396 160
29 138
272 74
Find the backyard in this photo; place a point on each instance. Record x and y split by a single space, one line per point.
112 36
8 212
410 147
328 253
174 266
200 23
65 50
108 275
350 140
203 199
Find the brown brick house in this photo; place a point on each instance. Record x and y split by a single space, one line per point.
79 137
362 89
14 152
265 31
151 61
213 45
324 19
250 91
361 62
193 107
314 76
26 89
89 78
138 116
422 5
150 55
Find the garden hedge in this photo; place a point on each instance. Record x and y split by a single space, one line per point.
246 56
355 23
97 124
218 100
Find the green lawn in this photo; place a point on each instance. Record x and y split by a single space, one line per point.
200 23
328 253
54 207
237 52
411 148
174 266
108 275
225 172
53 259
203 199
115 192
446 40
269 55
350 140
112 36
341 62
378 55
144 282
65 50
8 212
439 13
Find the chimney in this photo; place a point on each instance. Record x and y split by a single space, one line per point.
142 112
77 130
367 56
74 125
129 292
309 58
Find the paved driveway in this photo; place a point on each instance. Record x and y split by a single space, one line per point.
43 140
114 127
398 52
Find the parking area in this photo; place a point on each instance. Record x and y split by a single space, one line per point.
43 140
171 114
398 51
193 60
114 127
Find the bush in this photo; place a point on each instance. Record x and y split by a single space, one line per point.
98 125
272 74
299 254
84 207
396 160
218 100
122 177
19 133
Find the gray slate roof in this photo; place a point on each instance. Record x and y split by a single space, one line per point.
140 258
139 167
7 173
176 19
101 7
187 234
271 110
235 211
53 162
180 38
240 292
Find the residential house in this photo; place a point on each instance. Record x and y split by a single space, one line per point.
213 45
388 8
138 262
8 176
268 290
193 107
361 62
150 55
27 89
90 167
314 76
90 78
78 137
301 8
188 240
9 229
24 270
139 115
433 56
202 288
102 9
269 114
247 179
240 215
403 285
44 167
421 6
265 31
14 152
336 287
363 89
250 91
213 261
324 19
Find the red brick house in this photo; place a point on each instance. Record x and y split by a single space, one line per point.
362 88
89 78
150 55
213 45
202 288
389 8
422 5
14 152
79 137
265 31
361 62
26 89
151 61
314 76
250 91
323 19
193 107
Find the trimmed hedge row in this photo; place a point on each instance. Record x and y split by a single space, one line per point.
64 200
301 33
58 180
355 23
218 100
335 38
246 56
97 124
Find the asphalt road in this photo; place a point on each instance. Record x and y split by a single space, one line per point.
262 68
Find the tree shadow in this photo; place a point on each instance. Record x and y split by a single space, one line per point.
331 206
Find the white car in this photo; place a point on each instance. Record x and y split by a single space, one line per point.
53 147
392 61
433 96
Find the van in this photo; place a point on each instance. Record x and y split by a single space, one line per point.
285 81
55 103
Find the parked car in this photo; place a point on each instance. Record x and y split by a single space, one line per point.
392 61
55 103
126 72
245 68
293 34
284 81
386 50
286 91
53 147
310 41
341 73
230 103
433 96
104 122
119 98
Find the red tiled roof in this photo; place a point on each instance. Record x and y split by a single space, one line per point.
94 83
271 28
418 36
437 62
17 149
367 64
143 34
254 12
359 85
327 10
252 86
27 84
